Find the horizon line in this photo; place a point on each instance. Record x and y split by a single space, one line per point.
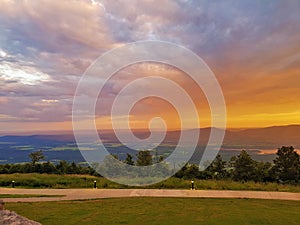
53 132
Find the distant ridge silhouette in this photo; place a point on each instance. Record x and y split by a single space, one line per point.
268 137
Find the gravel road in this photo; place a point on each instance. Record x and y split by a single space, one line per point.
80 194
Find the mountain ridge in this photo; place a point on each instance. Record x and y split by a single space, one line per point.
274 136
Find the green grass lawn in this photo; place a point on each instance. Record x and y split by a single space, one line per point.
86 181
162 211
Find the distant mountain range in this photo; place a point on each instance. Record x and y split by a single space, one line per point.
261 138
56 147
275 136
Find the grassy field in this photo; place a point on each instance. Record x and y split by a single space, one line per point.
48 180
162 211
85 181
27 196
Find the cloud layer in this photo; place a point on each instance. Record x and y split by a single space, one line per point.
45 45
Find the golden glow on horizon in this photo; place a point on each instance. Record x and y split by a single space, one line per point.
104 123
264 119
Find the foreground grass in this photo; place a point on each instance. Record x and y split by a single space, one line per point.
27 196
35 180
162 211
86 181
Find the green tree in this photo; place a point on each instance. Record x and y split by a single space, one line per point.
62 167
73 168
144 158
192 172
181 172
262 173
111 167
49 168
287 165
129 159
36 157
217 168
244 167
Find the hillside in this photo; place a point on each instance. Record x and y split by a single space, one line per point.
272 137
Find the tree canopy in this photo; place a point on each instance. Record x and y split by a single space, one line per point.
287 164
36 156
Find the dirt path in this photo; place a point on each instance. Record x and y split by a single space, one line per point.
79 194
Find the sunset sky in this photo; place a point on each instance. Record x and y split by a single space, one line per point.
252 46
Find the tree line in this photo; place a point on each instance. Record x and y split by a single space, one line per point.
63 167
284 169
